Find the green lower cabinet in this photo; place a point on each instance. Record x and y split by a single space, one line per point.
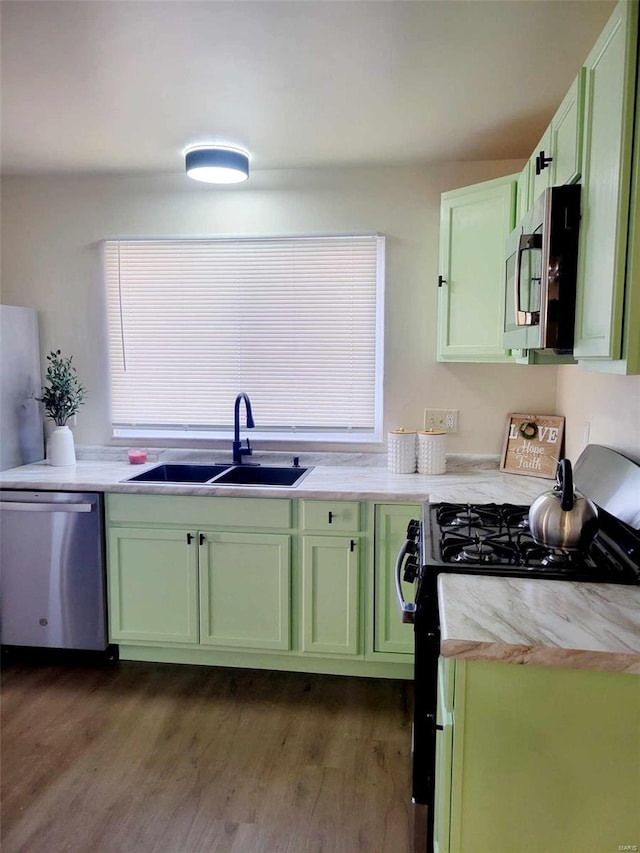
245 583
390 633
153 585
331 595
535 759
252 582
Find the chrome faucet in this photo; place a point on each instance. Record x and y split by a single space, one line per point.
238 450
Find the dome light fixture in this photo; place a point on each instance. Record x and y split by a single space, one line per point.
217 164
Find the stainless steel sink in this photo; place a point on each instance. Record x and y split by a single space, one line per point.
257 475
176 473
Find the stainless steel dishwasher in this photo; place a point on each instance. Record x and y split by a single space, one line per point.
52 572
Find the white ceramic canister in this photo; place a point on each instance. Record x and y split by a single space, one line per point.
432 446
401 451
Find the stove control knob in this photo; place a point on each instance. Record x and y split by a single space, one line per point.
413 529
411 547
410 570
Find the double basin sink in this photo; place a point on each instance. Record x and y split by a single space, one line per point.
222 475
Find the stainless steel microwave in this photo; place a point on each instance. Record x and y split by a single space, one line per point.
541 267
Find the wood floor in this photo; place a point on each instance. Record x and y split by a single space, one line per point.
155 757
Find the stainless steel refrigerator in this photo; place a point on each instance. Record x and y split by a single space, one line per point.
21 420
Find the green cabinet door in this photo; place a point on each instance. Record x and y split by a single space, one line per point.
557 158
444 756
474 223
523 192
153 585
540 178
566 135
330 595
391 634
245 590
609 110
543 759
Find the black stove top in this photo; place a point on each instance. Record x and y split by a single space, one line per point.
495 539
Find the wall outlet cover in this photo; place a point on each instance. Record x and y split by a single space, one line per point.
444 419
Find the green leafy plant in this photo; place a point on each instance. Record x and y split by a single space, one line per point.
63 393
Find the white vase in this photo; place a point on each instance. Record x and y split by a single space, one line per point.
61 447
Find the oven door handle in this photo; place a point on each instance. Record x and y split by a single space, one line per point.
407 608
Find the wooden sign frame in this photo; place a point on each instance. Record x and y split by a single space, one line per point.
533 445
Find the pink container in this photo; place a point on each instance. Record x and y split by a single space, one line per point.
137 457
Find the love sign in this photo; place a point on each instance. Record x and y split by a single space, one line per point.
533 445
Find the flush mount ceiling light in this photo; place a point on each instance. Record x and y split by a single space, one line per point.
217 164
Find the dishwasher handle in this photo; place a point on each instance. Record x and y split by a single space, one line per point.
27 506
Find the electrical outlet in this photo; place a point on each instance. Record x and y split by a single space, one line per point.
445 419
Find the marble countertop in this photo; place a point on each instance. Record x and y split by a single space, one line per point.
324 481
548 623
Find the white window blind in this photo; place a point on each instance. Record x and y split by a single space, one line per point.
295 322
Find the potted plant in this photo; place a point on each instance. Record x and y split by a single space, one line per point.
62 395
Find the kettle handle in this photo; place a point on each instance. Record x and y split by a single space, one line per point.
565 481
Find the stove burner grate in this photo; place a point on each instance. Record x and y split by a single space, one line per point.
478 548
466 515
557 558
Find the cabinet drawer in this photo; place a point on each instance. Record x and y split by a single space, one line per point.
330 515
202 511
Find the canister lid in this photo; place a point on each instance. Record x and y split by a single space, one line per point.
403 431
432 432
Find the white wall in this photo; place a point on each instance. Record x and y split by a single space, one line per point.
51 228
605 407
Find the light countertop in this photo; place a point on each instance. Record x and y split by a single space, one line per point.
323 482
548 623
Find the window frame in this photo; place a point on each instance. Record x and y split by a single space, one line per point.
212 435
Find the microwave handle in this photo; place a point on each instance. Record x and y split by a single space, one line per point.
523 318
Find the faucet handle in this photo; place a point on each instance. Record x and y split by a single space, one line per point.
249 449
296 461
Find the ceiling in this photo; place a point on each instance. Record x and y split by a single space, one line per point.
121 86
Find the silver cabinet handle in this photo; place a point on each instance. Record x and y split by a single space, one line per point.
23 506
408 608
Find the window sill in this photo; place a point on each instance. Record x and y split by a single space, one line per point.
267 439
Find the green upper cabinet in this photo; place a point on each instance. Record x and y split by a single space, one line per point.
566 135
523 191
631 327
539 169
557 158
606 185
474 223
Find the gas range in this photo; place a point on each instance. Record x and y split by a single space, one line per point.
494 539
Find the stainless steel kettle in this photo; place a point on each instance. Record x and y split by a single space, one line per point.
562 518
